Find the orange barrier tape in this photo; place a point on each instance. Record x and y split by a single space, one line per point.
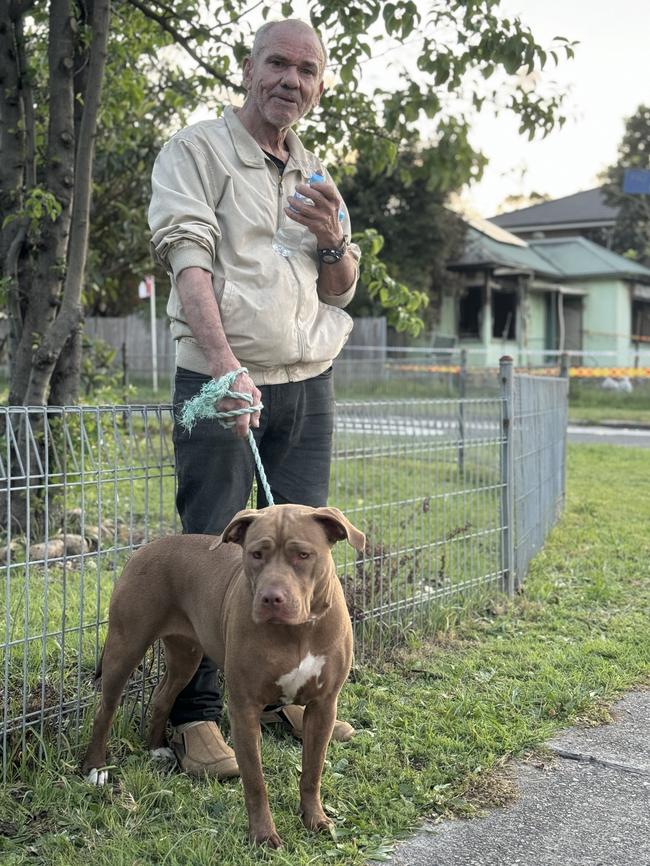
612 372
574 372
426 368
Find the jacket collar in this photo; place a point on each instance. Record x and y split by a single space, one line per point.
251 154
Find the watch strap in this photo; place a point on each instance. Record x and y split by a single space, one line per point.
332 255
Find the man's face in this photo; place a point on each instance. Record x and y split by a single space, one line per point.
284 81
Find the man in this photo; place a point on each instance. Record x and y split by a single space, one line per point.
220 191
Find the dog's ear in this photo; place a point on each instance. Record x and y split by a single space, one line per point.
337 527
238 526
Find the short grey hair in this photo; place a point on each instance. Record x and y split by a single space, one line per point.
262 34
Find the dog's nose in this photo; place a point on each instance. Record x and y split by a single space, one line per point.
274 597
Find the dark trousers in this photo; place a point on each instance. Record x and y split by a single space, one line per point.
215 471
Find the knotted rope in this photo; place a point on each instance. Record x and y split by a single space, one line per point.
204 407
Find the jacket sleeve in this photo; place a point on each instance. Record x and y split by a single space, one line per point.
185 232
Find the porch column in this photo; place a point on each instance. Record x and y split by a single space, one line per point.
486 324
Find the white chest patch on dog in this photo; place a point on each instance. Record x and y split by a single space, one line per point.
291 683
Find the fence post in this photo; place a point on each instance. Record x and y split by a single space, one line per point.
506 378
564 365
462 384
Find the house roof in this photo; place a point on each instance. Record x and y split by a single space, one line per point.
586 209
561 259
484 252
577 257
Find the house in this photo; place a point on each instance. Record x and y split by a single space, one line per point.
586 214
537 298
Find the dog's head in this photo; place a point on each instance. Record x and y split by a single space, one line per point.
287 559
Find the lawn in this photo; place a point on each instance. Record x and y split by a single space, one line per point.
438 714
589 403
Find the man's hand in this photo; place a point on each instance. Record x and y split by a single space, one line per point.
245 385
203 316
321 218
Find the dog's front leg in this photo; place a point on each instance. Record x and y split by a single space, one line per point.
245 726
318 724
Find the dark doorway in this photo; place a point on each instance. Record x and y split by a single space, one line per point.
470 312
504 315
572 324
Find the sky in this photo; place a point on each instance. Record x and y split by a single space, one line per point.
605 83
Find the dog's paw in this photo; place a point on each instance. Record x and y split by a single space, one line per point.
269 838
97 777
162 753
317 821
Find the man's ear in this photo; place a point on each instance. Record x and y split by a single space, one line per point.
247 70
337 527
236 530
315 100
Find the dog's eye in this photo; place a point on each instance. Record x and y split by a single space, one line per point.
256 554
303 555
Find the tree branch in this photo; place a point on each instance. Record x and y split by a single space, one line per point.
27 97
18 9
185 43
78 247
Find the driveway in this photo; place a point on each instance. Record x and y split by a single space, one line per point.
606 435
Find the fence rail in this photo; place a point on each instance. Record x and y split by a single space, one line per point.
453 495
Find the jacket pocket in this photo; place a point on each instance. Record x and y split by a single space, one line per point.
327 334
264 329
260 325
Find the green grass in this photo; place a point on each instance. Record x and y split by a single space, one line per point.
438 713
589 403
415 538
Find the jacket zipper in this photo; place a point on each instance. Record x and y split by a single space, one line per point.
280 198
301 342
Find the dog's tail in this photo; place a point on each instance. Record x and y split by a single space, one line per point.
98 670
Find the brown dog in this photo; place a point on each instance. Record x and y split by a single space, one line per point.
270 613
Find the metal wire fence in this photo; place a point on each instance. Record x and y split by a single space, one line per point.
539 462
432 482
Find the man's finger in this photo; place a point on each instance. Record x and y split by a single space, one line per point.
325 191
241 426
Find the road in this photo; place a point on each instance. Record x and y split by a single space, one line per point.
482 427
631 436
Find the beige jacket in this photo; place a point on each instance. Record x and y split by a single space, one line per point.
217 201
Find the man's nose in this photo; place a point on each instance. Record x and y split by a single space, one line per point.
290 77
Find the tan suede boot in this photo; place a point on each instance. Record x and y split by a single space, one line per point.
291 718
202 751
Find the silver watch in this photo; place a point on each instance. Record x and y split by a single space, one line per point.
332 255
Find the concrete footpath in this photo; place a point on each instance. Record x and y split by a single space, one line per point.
589 807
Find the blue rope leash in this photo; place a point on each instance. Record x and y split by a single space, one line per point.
203 407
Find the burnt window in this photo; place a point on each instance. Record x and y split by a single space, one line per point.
469 313
504 315
640 318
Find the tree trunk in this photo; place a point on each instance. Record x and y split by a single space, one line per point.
70 314
50 241
66 378
58 328
12 164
